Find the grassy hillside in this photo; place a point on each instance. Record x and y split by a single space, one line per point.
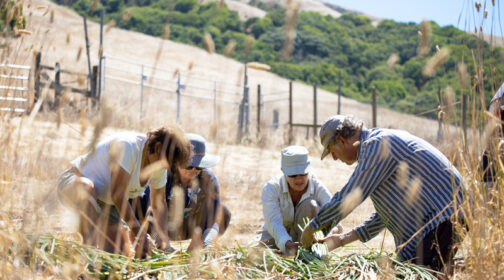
387 57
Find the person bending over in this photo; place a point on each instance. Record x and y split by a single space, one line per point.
98 185
193 197
288 198
414 188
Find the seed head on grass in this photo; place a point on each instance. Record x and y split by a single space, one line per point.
290 27
209 43
477 5
402 174
385 148
462 74
77 58
94 6
451 102
351 201
103 121
434 62
109 26
414 190
166 31
229 48
126 16
392 61
175 73
425 33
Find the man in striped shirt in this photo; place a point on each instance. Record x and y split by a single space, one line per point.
412 186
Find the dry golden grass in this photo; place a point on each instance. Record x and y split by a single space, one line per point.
37 148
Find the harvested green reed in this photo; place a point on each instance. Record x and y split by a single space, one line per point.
240 262
318 250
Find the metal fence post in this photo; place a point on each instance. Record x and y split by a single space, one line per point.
258 110
247 106
215 101
241 116
100 55
314 110
178 98
141 92
440 116
374 105
276 119
290 113
339 93
464 119
104 70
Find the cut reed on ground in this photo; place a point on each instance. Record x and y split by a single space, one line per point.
57 257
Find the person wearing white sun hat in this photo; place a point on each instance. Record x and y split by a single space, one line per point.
290 197
203 208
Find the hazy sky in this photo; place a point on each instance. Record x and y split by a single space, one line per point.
444 12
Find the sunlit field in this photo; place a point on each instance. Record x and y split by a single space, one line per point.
38 236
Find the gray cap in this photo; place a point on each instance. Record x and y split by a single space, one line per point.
329 130
199 157
295 160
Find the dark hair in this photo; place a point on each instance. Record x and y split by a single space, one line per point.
349 127
175 145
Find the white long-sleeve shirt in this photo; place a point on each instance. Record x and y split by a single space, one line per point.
278 209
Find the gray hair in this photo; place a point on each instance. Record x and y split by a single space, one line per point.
339 125
349 127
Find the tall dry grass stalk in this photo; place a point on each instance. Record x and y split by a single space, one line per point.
290 27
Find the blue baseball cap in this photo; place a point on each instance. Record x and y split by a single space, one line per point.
295 160
199 157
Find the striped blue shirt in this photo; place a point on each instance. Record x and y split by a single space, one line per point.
409 182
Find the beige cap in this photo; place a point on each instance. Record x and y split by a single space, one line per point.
329 130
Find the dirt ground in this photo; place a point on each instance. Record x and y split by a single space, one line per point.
242 172
47 148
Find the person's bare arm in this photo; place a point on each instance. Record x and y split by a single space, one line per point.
160 212
119 194
334 241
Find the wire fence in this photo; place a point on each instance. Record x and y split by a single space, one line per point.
169 81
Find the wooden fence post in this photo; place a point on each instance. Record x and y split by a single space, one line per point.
374 106
57 85
440 116
314 110
464 119
290 113
339 93
100 57
276 119
36 87
94 85
258 110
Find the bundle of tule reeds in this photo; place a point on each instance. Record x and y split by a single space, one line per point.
54 256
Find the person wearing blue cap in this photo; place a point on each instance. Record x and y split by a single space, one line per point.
289 198
199 193
415 190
